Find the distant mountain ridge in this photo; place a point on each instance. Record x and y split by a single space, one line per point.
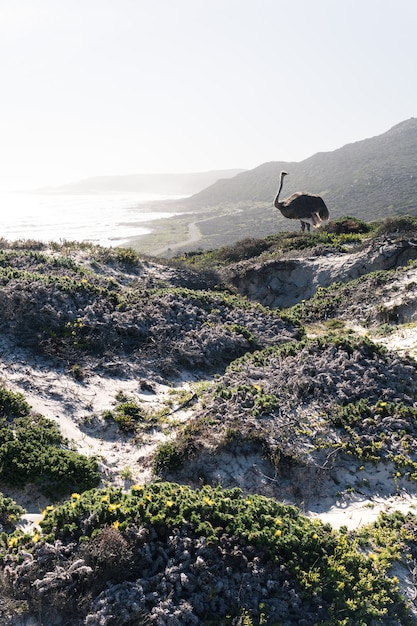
371 178
183 184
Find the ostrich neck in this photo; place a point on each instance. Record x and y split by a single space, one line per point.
277 202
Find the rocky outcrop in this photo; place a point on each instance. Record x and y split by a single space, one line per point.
284 282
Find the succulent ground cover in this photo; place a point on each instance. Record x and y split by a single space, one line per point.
166 554
102 307
304 407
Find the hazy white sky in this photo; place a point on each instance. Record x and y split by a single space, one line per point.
97 87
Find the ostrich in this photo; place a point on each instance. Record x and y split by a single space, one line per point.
306 207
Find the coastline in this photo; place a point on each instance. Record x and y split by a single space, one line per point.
109 220
167 234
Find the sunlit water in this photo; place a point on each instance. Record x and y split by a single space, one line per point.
107 220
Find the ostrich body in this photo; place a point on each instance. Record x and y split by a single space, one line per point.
306 207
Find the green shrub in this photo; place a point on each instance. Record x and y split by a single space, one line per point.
130 416
31 451
169 456
405 223
127 414
348 224
354 585
243 249
13 404
9 512
127 256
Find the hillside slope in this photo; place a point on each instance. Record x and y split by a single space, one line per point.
371 179
210 396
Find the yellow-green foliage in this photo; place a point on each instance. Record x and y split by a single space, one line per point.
353 583
363 417
9 512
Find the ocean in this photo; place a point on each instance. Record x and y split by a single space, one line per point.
107 219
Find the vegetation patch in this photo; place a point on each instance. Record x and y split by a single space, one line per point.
305 404
10 512
129 416
384 430
403 224
269 562
349 300
335 235
168 457
288 409
32 450
163 318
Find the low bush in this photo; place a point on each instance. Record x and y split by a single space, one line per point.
127 415
33 450
12 404
406 223
329 568
168 457
9 513
348 224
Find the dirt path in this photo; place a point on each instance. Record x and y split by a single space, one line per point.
194 235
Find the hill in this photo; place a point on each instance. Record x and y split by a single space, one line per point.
183 184
182 431
370 179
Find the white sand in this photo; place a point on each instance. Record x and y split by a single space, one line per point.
77 407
